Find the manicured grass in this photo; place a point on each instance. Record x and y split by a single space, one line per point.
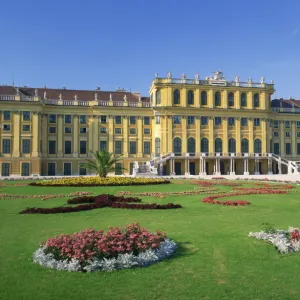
216 259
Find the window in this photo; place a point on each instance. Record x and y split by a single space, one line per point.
82 130
103 145
203 98
6 146
243 100
68 119
118 169
191 120
52 129
5 169
118 120
298 148
191 145
146 121
177 145
26 146
82 171
276 124
26 116
157 147
146 147
287 124
68 130
276 148
158 97
176 120
244 122
218 121
52 119
132 147
6 127
132 131
67 169
218 145
118 147
26 128
231 145
256 100
103 130
257 146
25 169
190 97
230 99
204 145
245 146
256 122
298 124
51 169
68 147
276 133
288 134
103 119
118 130
217 99
146 130
176 97
288 148
6 115
157 120
82 145
132 120
298 133
231 121
204 120
82 119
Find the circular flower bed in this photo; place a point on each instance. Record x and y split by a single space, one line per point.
91 250
98 181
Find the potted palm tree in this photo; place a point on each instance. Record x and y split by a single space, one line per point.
103 162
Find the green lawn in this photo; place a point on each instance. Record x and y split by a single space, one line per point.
215 260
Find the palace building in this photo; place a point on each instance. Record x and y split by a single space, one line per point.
186 127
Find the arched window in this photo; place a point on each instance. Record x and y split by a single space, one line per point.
203 98
176 97
218 145
230 99
257 146
256 100
177 146
243 100
190 97
204 145
217 99
158 98
191 145
157 147
245 146
231 145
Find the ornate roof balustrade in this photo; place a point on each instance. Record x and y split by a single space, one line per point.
286 110
15 98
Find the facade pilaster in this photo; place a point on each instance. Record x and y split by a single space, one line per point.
238 134
251 135
90 137
294 145
264 135
140 137
282 138
16 132
44 135
60 136
170 134
35 134
75 135
198 135
183 134
95 136
211 134
111 134
125 136
225 135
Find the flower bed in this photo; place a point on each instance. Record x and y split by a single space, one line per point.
284 241
207 183
94 202
98 181
91 250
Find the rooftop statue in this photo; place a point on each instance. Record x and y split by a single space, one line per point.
197 76
218 75
183 76
169 74
262 80
237 79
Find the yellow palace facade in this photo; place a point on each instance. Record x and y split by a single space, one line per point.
186 127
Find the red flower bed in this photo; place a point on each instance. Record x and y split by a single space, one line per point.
99 201
295 235
90 243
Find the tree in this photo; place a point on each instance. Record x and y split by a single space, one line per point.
103 162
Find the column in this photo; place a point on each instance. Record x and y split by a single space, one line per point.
170 134
256 167
279 166
204 167
250 100
198 135
211 135
75 135
251 135
264 99
270 166
140 136
246 167
35 134
238 135
224 99
125 136
184 137
210 99
173 166
183 95
90 138
111 134
60 136
294 145
16 132
164 135
237 99
95 137
282 138
200 166
264 135
225 131
44 135
186 167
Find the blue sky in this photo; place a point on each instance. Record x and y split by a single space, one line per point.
82 44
